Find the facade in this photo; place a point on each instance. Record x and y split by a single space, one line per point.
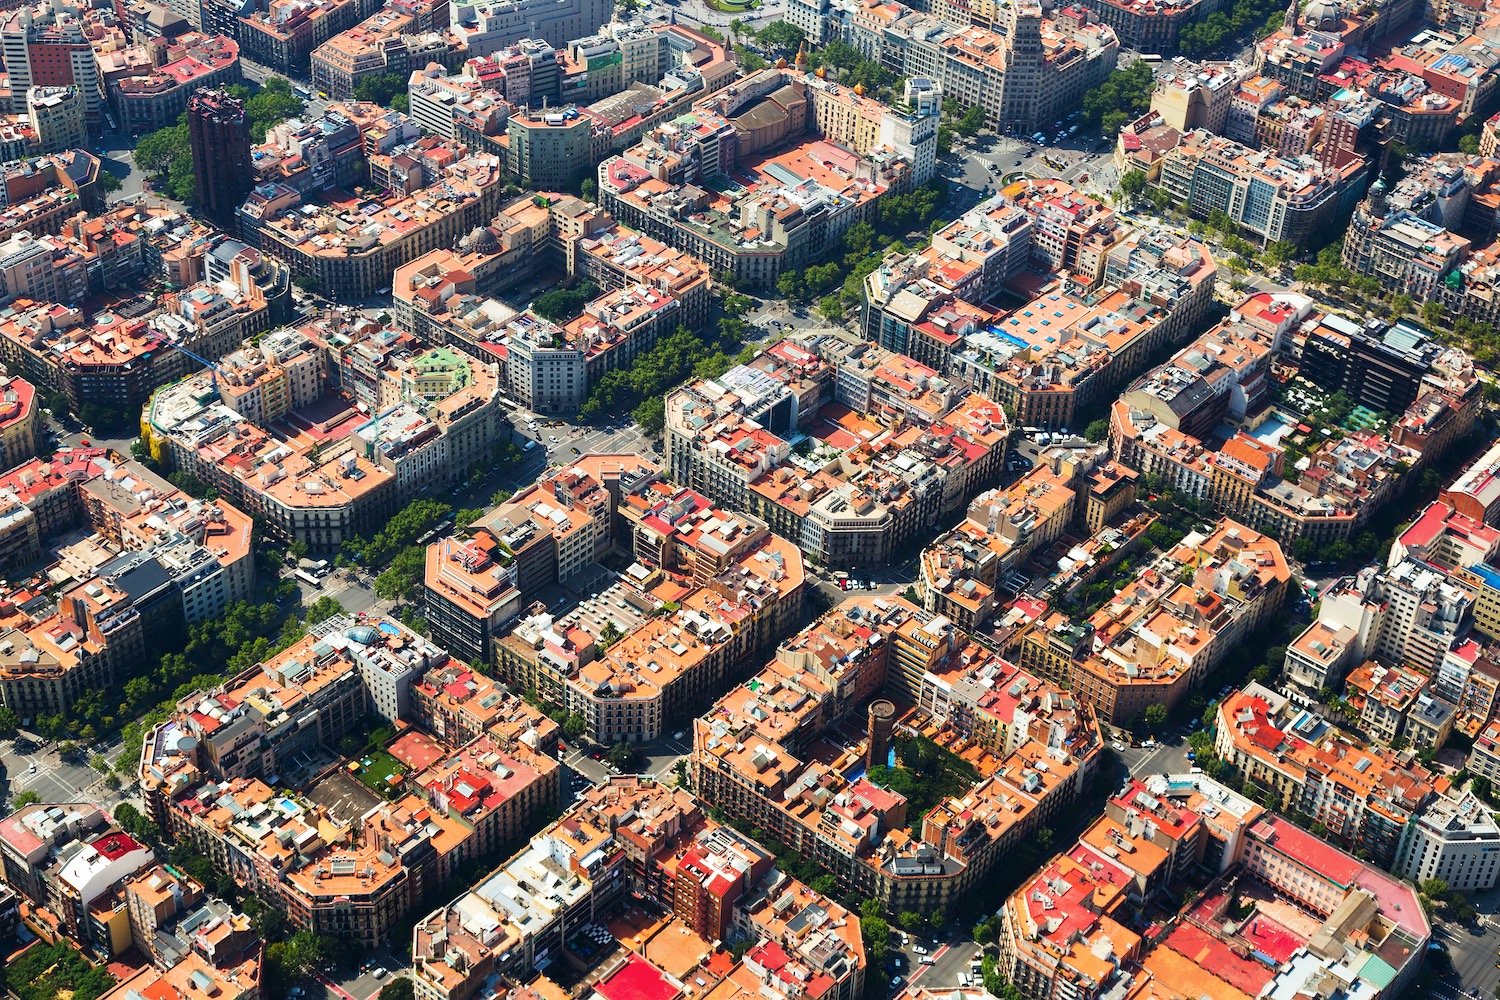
220 139
147 101
1366 795
57 117
749 752
47 45
1270 197
1456 840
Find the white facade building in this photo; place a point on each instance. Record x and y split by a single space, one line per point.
1456 840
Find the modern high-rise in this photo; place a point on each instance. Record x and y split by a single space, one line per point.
220 139
57 116
45 46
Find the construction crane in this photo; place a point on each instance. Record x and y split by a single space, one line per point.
213 368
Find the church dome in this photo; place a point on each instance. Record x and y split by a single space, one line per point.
1324 15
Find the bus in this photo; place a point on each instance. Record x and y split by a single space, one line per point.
309 579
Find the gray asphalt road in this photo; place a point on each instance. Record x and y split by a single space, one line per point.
1473 952
54 779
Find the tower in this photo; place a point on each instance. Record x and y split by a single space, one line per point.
1021 101
880 725
1291 18
220 140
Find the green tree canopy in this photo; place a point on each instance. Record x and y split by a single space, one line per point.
388 90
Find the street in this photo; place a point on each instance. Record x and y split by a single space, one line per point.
980 166
950 966
32 764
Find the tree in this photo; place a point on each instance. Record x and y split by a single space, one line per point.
1280 252
970 122
621 755
26 798
831 308
110 182
651 414
749 61
324 608
274 103
781 36
401 987
1433 313
1481 787
910 920
9 721
306 283
386 89
1156 716
563 304
789 284
1469 144
135 823
1123 96
406 572
944 140
1133 184
588 189
576 726
1097 431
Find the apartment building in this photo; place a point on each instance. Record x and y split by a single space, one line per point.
153 97
1294 198
1058 933
316 240
651 186
47 45
65 857
284 40
569 874
1456 840
487 26
1366 795
495 791
1158 638
749 753
391 40
18 419
1189 95
459 706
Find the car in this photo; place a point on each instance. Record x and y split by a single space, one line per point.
295 991
843 584
576 451
896 980
1119 747
919 949
32 768
1192 756
379 972
597 754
